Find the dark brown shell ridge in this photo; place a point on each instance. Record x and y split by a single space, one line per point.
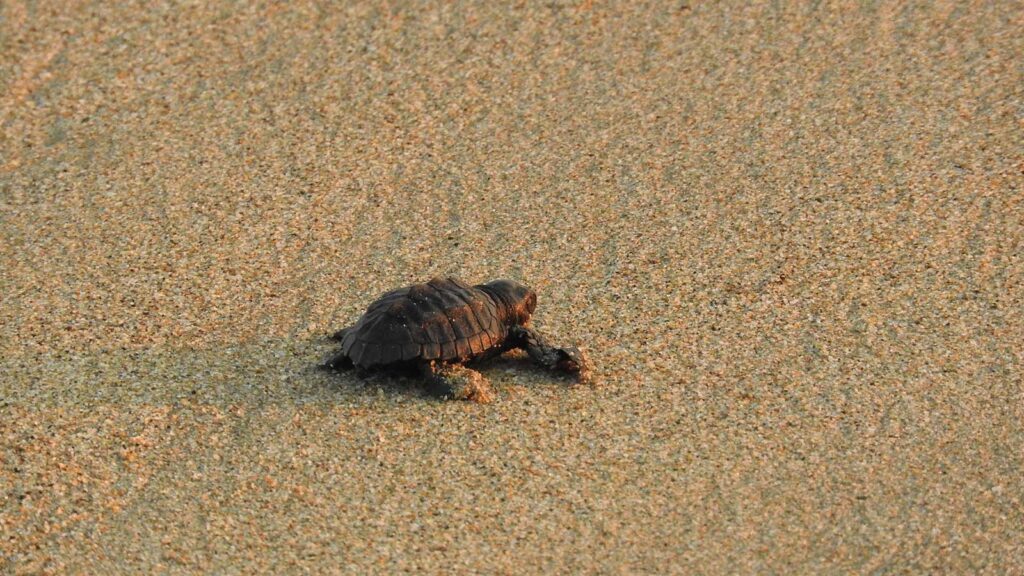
443 319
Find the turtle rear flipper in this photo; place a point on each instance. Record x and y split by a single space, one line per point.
340 334
337 361
456 382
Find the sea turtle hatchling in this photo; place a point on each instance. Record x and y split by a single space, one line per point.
439 326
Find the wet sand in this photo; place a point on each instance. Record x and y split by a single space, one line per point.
790 237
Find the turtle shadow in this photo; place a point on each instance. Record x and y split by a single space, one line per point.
405 379
390 381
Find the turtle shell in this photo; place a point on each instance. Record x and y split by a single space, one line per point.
444 319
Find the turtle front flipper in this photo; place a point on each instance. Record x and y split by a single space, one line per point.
570 359
456 382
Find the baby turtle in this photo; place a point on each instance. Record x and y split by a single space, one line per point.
439 326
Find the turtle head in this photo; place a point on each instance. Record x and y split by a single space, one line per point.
515 301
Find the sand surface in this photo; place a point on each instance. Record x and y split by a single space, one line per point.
791 236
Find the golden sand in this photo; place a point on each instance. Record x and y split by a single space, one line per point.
790 236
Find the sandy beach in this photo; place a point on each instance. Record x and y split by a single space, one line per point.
790 235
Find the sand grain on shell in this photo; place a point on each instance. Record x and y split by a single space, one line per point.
790 236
